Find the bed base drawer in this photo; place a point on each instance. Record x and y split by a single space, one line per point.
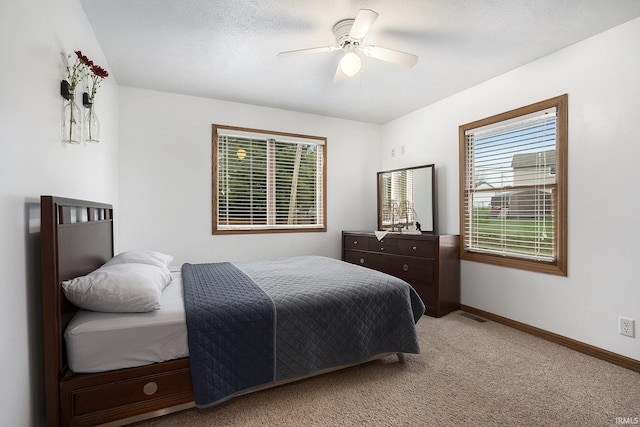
92 399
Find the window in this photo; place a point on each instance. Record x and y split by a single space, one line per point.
513 179
397 192
267 181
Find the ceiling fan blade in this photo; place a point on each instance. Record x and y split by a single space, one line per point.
309 50
391 55
340 76
363 22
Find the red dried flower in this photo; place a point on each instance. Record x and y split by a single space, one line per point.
99 71
77 71
83 58
97 75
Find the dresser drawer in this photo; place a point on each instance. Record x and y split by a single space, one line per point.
406 268
407 247
417 248
356 242
359 257
409 268
386 246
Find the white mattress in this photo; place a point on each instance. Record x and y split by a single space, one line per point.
98 342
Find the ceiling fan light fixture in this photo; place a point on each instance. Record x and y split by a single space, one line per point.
350 64
349 34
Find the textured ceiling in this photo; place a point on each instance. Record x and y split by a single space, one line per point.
227 49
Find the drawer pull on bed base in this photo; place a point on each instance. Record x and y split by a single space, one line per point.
150 388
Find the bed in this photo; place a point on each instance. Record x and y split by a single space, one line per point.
77 239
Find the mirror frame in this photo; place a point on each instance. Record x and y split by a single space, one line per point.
434 210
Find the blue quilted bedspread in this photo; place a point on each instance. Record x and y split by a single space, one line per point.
230 328
252 324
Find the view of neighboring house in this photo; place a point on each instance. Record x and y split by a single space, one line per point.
536 169
536 174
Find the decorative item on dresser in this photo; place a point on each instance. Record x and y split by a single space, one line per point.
430 263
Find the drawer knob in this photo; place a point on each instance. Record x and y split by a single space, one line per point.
355 242
382 248
415 248
361 260
150 388
405 267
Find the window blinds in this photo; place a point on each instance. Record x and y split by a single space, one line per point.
269 182
510 187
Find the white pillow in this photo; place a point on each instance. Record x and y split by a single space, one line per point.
118 288
141 257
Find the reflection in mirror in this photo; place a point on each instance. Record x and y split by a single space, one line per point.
406 199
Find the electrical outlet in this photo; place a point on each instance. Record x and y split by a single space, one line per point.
627 327
393 152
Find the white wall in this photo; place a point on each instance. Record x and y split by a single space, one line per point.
165 177
600 75
33 161
161 181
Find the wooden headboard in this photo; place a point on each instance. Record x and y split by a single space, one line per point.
76 237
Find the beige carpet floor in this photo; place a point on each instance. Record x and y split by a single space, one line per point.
469 373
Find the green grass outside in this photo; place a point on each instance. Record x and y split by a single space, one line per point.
513 235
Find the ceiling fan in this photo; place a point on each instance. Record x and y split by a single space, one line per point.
349 34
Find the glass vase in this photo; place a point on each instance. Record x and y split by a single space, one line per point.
91 129
71 122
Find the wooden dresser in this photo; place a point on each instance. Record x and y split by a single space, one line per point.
429 263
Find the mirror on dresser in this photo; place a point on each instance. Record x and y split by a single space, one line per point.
406 199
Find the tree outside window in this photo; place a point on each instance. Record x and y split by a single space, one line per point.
266 181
